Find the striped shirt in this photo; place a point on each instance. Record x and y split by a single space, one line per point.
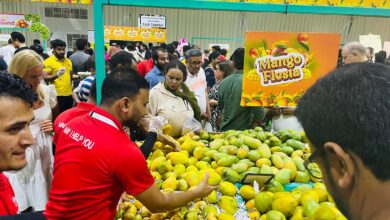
84 88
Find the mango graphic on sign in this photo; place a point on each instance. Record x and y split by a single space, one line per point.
146 34
132 33
119 32
159 34
279 67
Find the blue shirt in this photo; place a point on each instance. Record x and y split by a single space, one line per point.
85 88
154 76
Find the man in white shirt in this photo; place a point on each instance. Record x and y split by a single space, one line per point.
7 52
196 81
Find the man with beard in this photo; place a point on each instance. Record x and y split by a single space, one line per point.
160 60
58 70
96 162
345 116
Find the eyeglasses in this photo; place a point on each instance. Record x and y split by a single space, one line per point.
312 167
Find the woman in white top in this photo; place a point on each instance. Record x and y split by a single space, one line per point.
172 99
31 184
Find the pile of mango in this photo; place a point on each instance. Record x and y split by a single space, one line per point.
228 157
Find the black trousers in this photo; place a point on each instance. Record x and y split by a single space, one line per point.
64 103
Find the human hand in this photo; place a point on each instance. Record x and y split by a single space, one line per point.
46 126
169 141
156 124
61 71
144 124
213 102
203 189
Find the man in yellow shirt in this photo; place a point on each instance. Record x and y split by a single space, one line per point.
58 69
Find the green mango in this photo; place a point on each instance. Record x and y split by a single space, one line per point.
277 161
283 176
299 163
287 150
216 144
253 143
302 177
265 169
274 186
226 161
275 215
297 145
253 155
240 167
255 170
265 151
231 175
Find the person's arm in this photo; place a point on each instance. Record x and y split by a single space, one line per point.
258 113
154 200
148 144
221 95
208 112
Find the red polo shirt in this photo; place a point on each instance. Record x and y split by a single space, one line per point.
95 163
8 205
82 108
144 67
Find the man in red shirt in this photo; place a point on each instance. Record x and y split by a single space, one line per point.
145 66
81 109
15 134
96 162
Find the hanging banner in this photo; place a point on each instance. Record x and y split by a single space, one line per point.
152 21
86 2
280 66
13 21
135 34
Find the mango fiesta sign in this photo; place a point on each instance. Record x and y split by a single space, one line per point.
280 66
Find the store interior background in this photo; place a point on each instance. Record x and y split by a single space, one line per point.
194 24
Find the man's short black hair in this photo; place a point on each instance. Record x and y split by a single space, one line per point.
223 52
18 36
57 43
175 43
13 86
155 53
36 41
350 107
122 83
216 48
170 49
121 57
186 48
238 58
37 48
81 44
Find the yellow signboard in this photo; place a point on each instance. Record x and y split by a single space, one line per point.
135 34
280 66
348 3
351 3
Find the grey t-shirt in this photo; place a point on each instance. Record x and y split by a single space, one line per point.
79 58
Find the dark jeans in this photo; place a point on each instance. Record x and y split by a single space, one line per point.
64 103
